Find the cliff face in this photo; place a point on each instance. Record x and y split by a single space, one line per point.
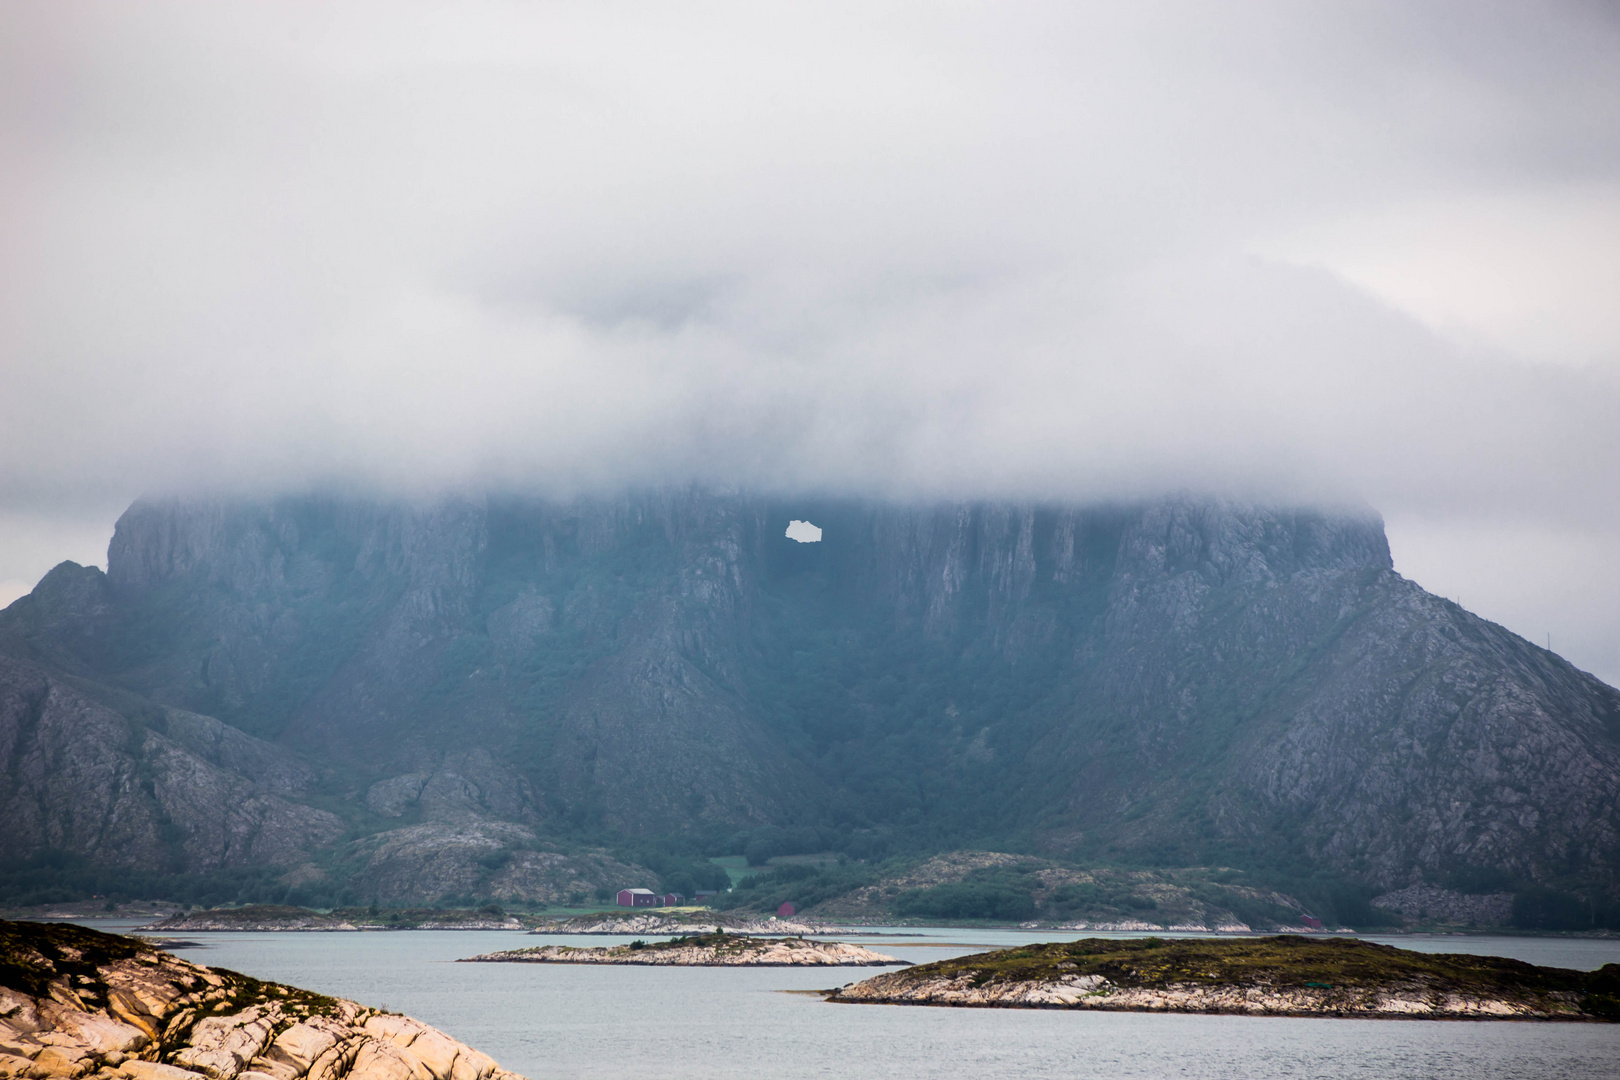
1163 680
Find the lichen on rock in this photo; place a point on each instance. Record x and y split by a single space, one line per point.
79 1003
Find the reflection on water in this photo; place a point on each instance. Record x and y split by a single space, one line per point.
563 1021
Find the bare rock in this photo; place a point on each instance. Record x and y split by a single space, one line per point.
85 778
76 1003
1432 904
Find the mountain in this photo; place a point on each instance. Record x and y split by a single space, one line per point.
1171 682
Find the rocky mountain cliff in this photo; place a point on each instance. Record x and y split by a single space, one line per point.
1171 682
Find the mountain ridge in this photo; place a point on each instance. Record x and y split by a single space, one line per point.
1163 682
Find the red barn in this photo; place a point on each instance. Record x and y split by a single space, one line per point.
673 899
637 898
786 911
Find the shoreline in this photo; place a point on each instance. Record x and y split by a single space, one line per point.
610 923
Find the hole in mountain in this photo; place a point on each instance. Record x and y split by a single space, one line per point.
803 532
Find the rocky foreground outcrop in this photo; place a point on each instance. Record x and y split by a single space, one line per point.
708 950
78 1003
1277 976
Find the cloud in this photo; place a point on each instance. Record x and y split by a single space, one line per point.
1337 252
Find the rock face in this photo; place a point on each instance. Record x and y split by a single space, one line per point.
482 858
1279 976
707 950
1184 681
148 787
1431 904
76 1003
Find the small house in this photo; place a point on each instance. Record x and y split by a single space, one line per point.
637 898
703 896
672 899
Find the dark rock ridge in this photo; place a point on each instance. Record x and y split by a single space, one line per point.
1178 680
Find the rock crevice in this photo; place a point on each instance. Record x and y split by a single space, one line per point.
76 1003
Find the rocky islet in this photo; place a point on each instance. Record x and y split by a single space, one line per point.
1274 976
701 950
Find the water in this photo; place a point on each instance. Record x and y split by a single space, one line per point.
563 1021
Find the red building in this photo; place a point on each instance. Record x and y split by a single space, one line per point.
672 899
638 898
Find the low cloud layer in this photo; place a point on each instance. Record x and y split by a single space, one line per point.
1345 253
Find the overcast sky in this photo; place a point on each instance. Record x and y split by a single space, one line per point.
1363 253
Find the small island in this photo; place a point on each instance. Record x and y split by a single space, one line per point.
702 950
1274 976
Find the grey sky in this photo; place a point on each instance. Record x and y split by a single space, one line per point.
1360 252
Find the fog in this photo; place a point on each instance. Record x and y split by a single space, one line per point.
1352 253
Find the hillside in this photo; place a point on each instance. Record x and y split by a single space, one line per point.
425 699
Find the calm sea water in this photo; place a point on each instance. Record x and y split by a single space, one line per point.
550 1021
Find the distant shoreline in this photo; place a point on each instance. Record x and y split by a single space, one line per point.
278 919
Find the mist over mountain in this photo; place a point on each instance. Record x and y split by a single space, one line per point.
1287 254
414 699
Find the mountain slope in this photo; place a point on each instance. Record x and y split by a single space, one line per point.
1170 682
170 792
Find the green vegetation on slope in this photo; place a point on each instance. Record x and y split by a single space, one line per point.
803 886
1000 887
